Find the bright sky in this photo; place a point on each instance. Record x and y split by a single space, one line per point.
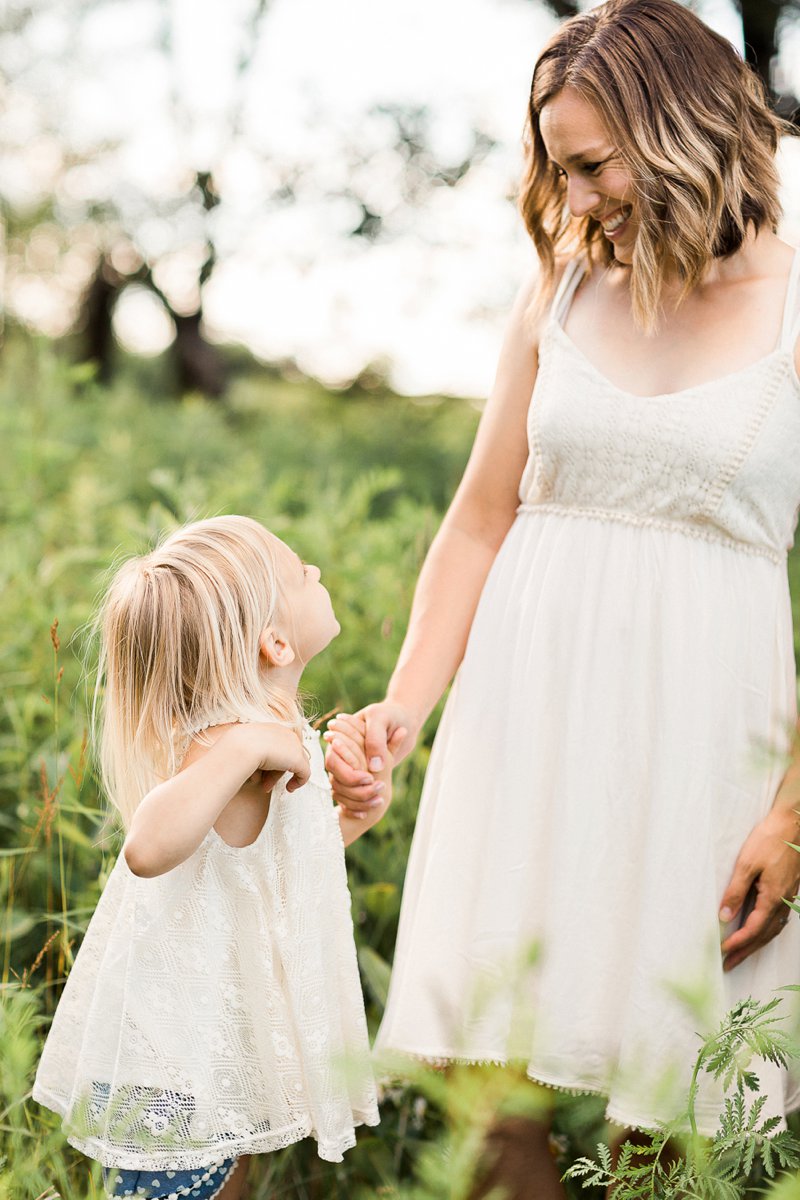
432 299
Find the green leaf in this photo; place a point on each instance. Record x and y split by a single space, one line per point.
376 972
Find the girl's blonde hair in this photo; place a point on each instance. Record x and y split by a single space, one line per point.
179 649
691 122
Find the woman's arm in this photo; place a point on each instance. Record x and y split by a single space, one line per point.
459 559
173 818
768 861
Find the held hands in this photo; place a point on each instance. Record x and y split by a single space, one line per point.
346 745
769 861
361 748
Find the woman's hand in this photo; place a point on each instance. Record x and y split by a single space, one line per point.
386 733
768 860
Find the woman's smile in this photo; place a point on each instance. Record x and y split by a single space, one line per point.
615 225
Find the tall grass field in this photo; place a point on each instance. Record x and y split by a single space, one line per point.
356 482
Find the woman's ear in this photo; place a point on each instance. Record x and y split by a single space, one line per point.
275 649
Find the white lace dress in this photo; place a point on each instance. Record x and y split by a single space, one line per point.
216 1010
613 734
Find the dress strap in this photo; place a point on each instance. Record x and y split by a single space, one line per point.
790 328
573 273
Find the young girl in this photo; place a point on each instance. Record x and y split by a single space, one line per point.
214 1009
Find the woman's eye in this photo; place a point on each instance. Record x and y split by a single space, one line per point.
560 172
592 168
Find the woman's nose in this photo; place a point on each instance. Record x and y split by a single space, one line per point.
581 197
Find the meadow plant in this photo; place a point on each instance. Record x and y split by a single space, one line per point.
674 1164
358 483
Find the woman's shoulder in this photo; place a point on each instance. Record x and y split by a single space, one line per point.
535 283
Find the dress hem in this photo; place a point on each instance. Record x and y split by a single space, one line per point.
328 1150
613 1114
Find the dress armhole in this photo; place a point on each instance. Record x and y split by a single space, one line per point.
790 331
792 340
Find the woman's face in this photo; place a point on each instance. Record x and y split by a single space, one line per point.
598 183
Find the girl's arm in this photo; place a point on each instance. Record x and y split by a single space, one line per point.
458 561
173 818
352 826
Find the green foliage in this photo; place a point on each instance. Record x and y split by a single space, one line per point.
718 1168
355 483
358 485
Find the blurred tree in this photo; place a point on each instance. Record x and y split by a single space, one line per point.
82 232
198 363
114 225
762 22
409 136
106 227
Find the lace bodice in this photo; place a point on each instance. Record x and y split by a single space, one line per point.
216 1009
720 460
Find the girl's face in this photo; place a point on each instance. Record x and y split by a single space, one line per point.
598 183
306 606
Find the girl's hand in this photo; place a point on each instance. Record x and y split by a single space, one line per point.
360 747
275 749
345 738
769 860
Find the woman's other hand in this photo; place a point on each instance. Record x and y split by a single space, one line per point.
769 861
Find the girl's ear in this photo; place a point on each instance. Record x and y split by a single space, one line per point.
275 649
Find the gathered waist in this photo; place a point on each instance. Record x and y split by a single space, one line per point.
686 528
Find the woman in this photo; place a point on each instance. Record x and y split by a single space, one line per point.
611 773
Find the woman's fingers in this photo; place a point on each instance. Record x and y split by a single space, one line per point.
763 924
353 788
772 862
359 797
375 739
345 776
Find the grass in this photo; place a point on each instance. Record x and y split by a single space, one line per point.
356 483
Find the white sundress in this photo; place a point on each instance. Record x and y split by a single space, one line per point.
216 1010
617 727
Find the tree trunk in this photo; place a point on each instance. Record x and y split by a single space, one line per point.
760 24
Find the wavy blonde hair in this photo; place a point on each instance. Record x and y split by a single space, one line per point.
179 632
691 122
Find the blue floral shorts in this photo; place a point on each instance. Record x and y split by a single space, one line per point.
201 1183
